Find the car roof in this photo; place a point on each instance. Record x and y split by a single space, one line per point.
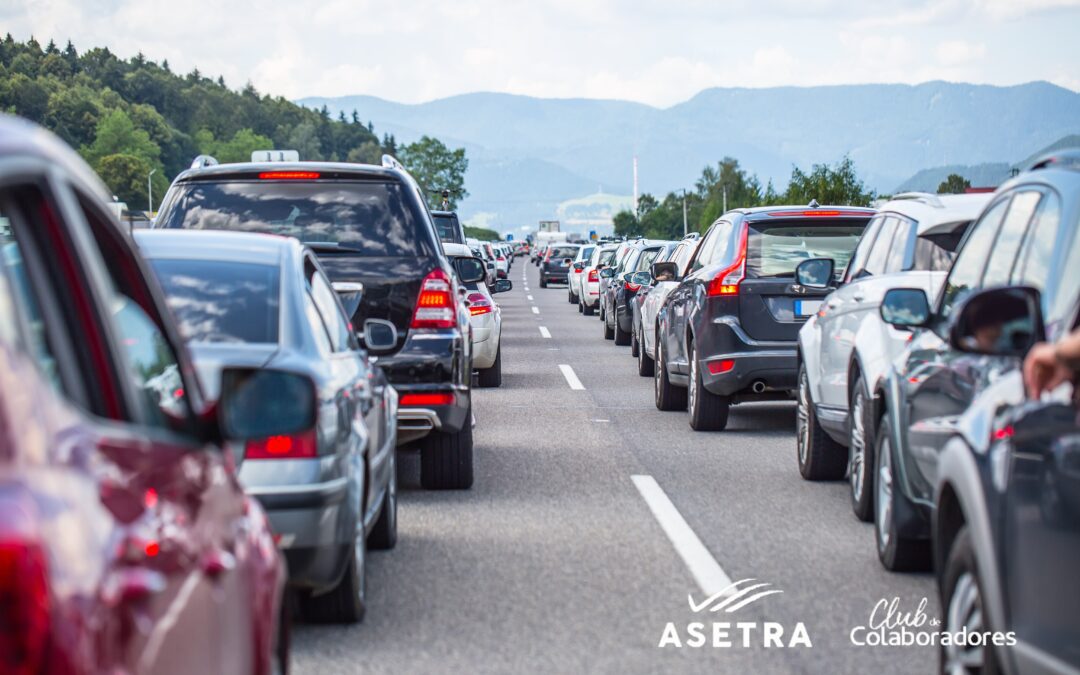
931 211
460 250
798 209
19 137
248 170
249 247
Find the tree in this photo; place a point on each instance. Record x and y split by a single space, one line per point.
954 184
645 203
437 169
838 186
305 140
481 233
125 175
626 224
116 134
368 153
240 147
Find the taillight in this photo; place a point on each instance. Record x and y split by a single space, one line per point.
726 281
288 175
479 304
720 367
438 398
291 446
594 275
577 271
632 286
24 607
435 308
501 259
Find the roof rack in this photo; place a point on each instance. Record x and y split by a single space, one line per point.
203 161
924 197
390 162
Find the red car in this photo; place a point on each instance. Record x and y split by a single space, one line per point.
126 542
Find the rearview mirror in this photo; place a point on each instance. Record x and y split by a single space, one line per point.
607 273
502 286
998 322
905 308
470 270
257 403
815 273
350 293
665 271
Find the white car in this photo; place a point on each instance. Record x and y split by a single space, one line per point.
646 325
485 319
846 348
502 261
577 271
590 277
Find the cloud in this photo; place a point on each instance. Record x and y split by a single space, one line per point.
959 53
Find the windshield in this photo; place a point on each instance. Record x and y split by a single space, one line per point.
371 219
221 301
776 249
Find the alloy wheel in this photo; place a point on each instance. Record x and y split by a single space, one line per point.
857 445
964 613
884 494
802 418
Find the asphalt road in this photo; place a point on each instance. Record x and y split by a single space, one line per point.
555 561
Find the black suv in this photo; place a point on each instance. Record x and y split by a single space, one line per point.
448 227
555 266
368 225
729 331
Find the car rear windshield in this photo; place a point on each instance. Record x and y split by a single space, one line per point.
221 301
776 249
365 218
560 252
448 230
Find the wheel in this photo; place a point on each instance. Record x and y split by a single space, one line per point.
667 396
543 284
346 602
635 346
282 649
573 298
621 337
609 332
492 377
895 552
708 411
820 457
383 536
446 461
962 602
645 364
861 452
587 309
580 307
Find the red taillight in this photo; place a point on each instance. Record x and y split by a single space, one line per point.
1004 433
577 271
594 275
721 367
288 175
437 398
501 259
726 281
24 607
632 286
818 214
479 304
435 308
293 446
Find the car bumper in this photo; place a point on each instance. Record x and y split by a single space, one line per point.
558 276
767 369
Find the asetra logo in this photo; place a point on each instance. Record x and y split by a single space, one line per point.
724 634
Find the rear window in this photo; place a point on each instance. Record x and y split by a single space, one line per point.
371 219
560 252
221 301
776 249
448 229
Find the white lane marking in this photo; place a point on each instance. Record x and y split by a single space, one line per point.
536 310
544 332
708 574
529 297
571 377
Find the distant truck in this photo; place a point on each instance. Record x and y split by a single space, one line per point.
545 238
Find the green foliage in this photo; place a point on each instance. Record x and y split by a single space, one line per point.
237 149
437 169
839 187
126 176
483 234
954 184
627 224
116 134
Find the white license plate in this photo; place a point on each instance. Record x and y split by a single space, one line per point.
807 307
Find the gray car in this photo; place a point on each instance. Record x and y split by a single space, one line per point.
256 301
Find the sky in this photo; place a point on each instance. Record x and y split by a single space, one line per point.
658 53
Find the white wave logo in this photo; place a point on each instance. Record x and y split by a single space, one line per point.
736 598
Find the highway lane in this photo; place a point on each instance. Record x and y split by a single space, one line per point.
555 561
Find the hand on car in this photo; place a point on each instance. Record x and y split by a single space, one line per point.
1047 366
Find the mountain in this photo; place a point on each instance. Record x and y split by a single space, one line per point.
525 152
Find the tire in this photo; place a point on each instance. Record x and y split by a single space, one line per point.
346 602
492 377
861 452
621 337
635 346
573 298
899 554
282 648
962 605
819 456
383 536
446 459
609 332
580 307
666 395
543 284
708 411
645 364
587 309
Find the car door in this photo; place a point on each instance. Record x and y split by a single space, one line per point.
682 302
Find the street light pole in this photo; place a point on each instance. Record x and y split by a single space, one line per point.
150 192
684 230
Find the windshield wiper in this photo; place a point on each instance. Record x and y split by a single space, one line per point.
331 247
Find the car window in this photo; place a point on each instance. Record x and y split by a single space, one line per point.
446 226
683 259
1007 245
967 271
775 249
1061 296
866 242
646 259
318 329
560 252
936 252
705 249
605 257
327 304
721 253
879 253
898 251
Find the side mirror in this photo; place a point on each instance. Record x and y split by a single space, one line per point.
470 270
258 403
607 273
905 308
815 273
579 266
998 321
350 293
665 271
642 278
568 260
502 286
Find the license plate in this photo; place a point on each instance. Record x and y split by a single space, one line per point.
804 308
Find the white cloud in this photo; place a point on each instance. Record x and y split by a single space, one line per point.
959 53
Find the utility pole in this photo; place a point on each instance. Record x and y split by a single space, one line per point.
684 231
725 198
150 192
635 187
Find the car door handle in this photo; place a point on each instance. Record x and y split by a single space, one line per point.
217 563
858 297
832 304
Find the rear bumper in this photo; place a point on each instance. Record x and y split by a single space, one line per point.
773 365
554 275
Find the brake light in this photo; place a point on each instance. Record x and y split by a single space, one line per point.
435 308
577 271
24 607
632 286
501 259
479 304
288 175
292 446
439 398
817 214
721 367
726 281
594 275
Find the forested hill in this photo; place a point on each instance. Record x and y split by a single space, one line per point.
128 118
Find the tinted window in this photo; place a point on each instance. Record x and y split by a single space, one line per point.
705 249
318 328
606 256
936 252
863 249
898 252
221 301
372 219
586 252
967 270
776 249
1061 297
721 253
646 259
879 253
1034 265
447 227
327 304
1007 246
560 252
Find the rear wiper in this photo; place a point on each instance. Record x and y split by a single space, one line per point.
331 247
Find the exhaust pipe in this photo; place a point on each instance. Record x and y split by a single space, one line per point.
758 387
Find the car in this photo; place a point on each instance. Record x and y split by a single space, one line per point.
485 318
449 227
555 266
244 300
576 274
727 333
644 280
590 274
845 348
620 289
128 544
541 251
1026 236
502 260
369 225
479 250
646 306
